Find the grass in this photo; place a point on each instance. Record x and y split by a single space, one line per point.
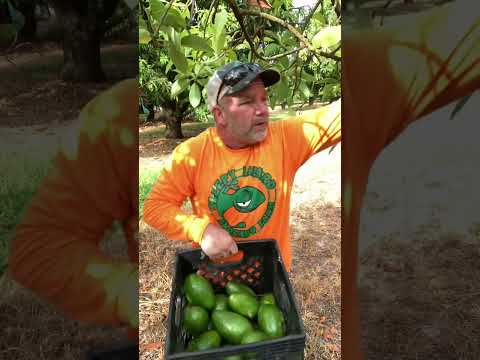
147 178
151 133
16 189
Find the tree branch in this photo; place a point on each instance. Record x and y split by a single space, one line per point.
166 12
239 17
309 17
150 29
283 23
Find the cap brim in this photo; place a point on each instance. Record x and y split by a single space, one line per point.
269 77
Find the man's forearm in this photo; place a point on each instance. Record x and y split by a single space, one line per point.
172 221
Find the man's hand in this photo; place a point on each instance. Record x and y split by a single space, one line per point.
217 242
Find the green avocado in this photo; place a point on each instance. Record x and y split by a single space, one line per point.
231 326
254 336
208 340
199 291
268 298
233 287
195 319
271 320
243 304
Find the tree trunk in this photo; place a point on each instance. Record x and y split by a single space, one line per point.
81 53
83 26
151 114
29 30
81 47
173 128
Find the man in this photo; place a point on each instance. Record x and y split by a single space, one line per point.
238 174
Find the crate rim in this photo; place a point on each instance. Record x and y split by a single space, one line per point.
300 336
233 349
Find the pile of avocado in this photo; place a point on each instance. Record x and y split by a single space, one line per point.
237 317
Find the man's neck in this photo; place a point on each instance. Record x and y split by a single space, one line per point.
229 142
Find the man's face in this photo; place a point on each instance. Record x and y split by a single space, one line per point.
244 115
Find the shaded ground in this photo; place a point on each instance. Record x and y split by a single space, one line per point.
35 109
419 242
315 274
31 93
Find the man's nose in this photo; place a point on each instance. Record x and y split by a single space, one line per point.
261 108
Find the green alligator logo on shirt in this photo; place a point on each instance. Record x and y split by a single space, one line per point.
240 204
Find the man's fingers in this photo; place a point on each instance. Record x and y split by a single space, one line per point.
233 249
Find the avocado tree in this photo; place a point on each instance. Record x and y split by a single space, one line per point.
194 38
83 24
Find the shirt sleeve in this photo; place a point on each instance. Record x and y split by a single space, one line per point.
55 250
310 133
163 206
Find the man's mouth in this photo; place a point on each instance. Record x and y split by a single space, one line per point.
261 123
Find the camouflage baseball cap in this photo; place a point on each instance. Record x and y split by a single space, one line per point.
234 77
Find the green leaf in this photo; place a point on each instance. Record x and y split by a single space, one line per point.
327 92
144 36
156 9
281 88
305 91
197 43
220 21
307 77
195 95
273 100
174 19
460 104
284 62
272 49
320 18
178 87
327 37
179 59
220 42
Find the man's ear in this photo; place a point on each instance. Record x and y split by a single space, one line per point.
218 115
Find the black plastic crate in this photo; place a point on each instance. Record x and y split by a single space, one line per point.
274 279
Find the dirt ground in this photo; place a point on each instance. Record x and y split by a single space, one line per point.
315 274
419 242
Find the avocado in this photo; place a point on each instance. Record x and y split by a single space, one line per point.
231 326
271 320
195 319
243 304
199 291
233 287
208 340
268 298
254 336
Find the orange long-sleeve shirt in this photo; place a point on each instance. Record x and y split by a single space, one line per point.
94 181
246 191
390 78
